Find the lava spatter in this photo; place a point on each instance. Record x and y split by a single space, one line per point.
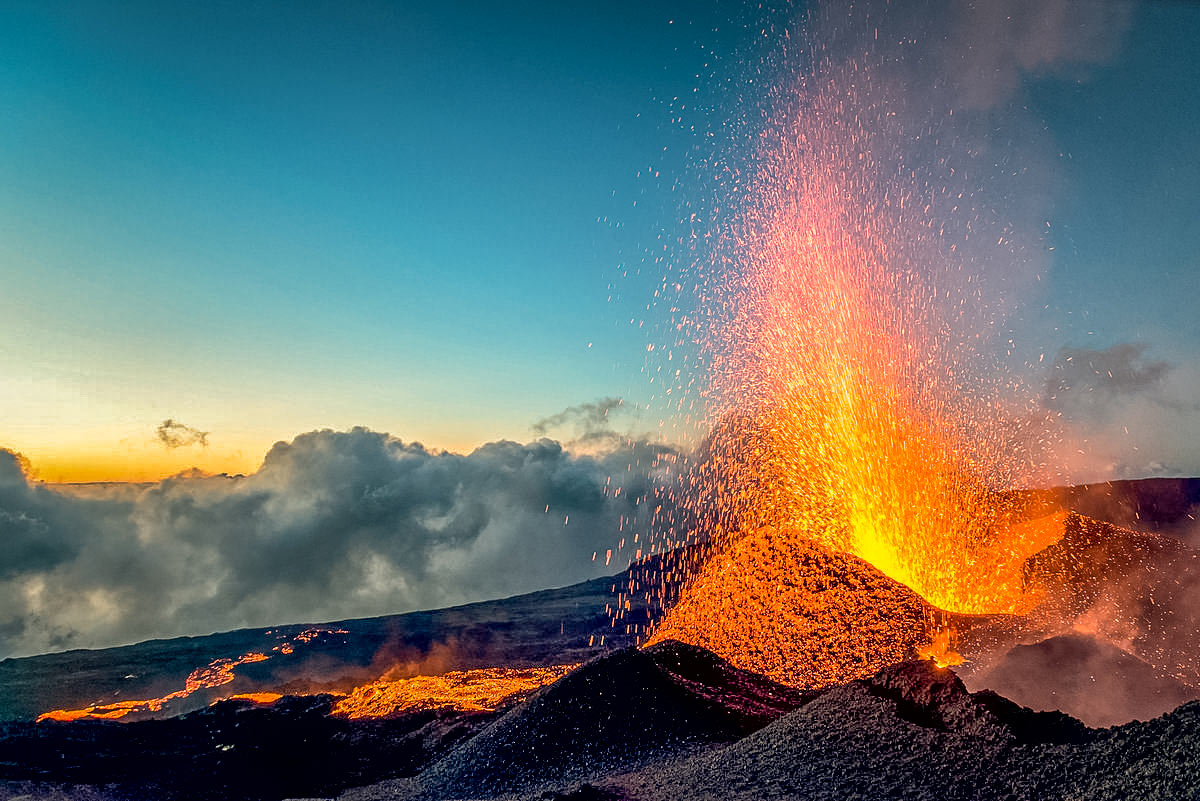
857 408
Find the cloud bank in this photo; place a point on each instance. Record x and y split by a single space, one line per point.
333 525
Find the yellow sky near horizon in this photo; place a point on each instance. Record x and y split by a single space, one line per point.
145 458
93 462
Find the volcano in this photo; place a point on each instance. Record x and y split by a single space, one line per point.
545 695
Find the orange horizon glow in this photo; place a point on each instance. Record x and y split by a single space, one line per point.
132 469
116 461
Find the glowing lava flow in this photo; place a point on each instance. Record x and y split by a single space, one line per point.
483 689
855 407
217 673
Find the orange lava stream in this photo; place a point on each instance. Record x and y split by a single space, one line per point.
258 698
941 649
215 674
484 689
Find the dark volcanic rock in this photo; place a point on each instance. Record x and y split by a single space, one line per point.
233 750
913 732
616 712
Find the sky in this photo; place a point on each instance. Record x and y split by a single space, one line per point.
259 221
438 220
398 269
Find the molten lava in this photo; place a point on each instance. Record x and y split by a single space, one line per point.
217 673
941 649
257 698
481 690
797 612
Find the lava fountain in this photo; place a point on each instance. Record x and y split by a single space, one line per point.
855 401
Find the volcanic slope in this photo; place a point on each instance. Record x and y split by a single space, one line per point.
795 611
620 711
913 732
549 627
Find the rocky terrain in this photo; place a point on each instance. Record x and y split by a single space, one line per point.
671 721
910 732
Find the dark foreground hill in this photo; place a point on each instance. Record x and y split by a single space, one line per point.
913 732
232 750
619 711
628 709
671 723
910 732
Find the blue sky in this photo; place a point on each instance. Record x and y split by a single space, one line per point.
430 219
1126 264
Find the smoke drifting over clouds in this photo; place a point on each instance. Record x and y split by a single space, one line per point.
174 434
334 525
589 423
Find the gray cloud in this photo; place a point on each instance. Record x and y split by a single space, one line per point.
1087 381
333 525
585 423
174 434
1124 414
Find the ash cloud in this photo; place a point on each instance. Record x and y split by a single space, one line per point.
333 525
174 434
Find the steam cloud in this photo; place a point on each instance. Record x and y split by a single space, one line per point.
174 434
333 525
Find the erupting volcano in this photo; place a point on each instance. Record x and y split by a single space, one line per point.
869 539
860 415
